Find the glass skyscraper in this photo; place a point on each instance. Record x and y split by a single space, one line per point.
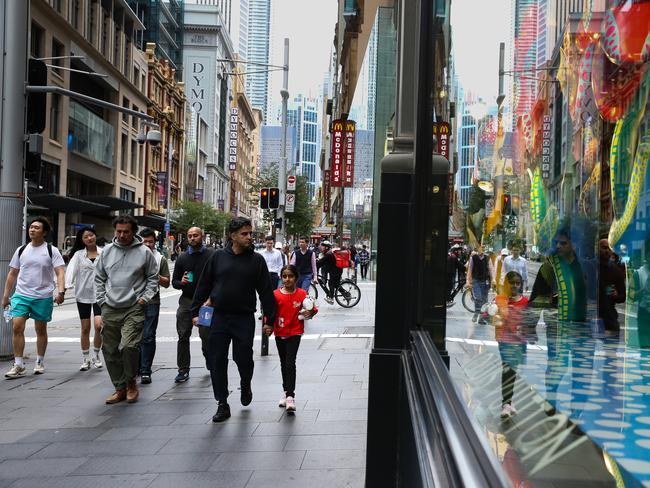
255 48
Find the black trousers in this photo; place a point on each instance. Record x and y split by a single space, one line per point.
364 270
240 329
288 350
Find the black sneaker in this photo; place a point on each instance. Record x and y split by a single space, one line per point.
182 377
223 412
145 379
246 395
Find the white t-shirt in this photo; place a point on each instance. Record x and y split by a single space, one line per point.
273 260
36 270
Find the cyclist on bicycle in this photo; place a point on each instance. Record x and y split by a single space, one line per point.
454 269
331 273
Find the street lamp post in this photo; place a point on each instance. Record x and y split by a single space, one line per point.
282 173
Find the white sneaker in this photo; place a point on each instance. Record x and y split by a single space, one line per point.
39 367
291 404
283 401
85 366
16 372
96 362
329 300
507 411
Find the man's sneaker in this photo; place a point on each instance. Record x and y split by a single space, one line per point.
145 378
329 300
182 377
97 363
16 371
85 366
291 404
39 367
475 317
246 395
223 412
507 411
283 401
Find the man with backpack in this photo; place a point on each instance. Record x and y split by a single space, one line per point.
31 271
331 270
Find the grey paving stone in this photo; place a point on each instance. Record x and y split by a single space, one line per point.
88 421
20 450
26 468
313 478
199 431
298 427
137 447
336 404
64 435
120 433
233 461
159 463
334 459
104 481
332 415
220 479
235 444
140 420
325 442
11 436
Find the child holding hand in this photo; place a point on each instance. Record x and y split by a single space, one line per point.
288 329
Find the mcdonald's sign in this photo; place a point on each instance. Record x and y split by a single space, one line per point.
442 131
342 153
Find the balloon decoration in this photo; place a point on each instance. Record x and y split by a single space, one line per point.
547 229
626 36
537 199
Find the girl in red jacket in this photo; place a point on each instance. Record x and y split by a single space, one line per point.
288 329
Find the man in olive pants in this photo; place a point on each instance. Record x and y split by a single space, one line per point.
126 279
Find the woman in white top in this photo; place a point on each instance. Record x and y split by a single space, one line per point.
81 274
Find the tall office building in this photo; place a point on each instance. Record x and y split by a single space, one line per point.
271 148
466 131
372 75
225 7
525 28
304 115
243 29
254 46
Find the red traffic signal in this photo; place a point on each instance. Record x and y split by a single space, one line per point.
264 198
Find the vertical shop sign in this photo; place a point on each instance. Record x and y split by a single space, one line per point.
546 147
232 144
161 180
326 191
442 130
338 133
350 135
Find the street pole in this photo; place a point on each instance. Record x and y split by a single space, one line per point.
170 148
282 173
14 21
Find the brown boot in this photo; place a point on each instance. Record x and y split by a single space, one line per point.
117 396
132 392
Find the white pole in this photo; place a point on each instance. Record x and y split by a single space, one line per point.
282 173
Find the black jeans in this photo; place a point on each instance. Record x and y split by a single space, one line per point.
334 280
364 270
184 328
240 329
287 350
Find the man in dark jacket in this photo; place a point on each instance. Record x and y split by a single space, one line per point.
329 270
228 284
187 273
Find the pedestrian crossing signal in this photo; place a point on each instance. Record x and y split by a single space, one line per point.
274 197
264 198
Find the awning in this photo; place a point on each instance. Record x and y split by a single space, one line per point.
61 203
115 203
151 220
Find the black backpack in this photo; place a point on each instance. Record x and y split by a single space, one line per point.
22 248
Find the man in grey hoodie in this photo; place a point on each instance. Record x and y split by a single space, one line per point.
126 279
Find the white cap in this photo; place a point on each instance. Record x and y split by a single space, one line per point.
278 245
504 252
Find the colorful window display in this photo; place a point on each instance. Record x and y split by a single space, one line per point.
554 363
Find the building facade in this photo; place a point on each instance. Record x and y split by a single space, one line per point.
257 39
91 166
271 146
304 115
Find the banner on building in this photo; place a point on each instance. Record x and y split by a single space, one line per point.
338 134
161 187
327 188
546 147
350 143
232 139
442 130
198 194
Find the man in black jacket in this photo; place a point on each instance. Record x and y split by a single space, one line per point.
228 284
329 269
187 273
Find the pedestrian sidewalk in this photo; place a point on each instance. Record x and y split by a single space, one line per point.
56 431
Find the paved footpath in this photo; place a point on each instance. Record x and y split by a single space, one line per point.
56 431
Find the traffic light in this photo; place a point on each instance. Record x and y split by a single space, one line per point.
264 198
36 102
278 223
274 197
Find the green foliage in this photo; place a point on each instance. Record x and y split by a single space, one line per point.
301 220
189 213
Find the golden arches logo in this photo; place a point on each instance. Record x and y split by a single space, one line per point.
443 128
337 125
350 126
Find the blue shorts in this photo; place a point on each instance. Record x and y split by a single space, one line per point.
36 308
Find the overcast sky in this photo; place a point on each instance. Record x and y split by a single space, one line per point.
478 27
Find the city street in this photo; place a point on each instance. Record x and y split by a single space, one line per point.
56 431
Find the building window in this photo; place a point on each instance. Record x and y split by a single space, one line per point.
134 120
125 116
125 148
136 77
55 114
91 27
57 5
75 7
135 167
36 45
58 51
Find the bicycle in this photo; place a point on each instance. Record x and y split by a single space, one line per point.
467 297
347 294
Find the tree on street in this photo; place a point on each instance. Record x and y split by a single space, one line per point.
189 213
